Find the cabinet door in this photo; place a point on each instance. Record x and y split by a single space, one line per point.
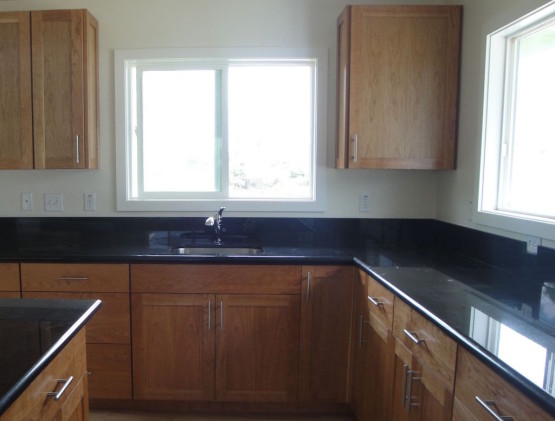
373 358
379 370
403 86
64 88
417 393
326 304
257 348
359 343
16 135
9 280
173 346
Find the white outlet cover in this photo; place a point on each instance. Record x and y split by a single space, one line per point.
90 201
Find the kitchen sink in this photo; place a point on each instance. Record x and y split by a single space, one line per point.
218 251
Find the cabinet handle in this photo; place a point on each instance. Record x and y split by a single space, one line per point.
404 388
355 148
307 285
412 378
73 278
58 395
209 314
412 336
360 341
486 405
375 301
221 315
77 148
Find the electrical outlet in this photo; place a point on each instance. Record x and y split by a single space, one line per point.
53 202
27 201
364 202
90 201
532 244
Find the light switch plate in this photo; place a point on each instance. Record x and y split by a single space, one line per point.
53 202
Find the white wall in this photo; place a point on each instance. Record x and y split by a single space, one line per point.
213 23
457 188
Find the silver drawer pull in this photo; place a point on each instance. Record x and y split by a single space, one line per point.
58 395
412 336
209 314
360 340
77 149
375 301
355 153
412 378
307 285
73 278
486 405
404 388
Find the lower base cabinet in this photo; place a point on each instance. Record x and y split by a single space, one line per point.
73 404
326 307
418 394
482 394
237 346
372 357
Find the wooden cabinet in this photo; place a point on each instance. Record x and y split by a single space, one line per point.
65 88
372 350
326 307
476 382
257 348
398 70
425 361
9 280
379 358
54 124
223 332
359 369
108 331
417 393
16 118
174 346
69 366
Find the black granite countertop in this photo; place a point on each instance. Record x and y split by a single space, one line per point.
32 333
460 278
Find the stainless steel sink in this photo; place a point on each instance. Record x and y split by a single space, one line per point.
218 251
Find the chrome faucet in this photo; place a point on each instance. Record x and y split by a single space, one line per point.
216 222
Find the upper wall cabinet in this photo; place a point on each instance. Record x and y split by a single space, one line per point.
62 64
16 131
398 70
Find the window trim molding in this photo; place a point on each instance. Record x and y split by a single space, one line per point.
123 183
494 103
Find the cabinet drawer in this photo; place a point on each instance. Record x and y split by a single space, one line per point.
435 349
380 302
33 404
110 324
80 277
9 277
220 279
110 368
476 380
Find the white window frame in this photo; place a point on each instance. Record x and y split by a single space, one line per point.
496 102
199 202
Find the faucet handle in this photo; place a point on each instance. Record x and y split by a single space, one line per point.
209 221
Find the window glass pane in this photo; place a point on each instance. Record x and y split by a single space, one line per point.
529 179
270 130
180 140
